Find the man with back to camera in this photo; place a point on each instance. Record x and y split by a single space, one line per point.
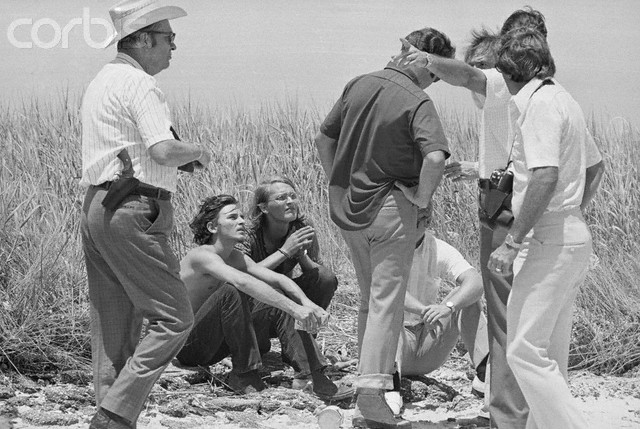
507 406
549 244
131 270
218 278
383 149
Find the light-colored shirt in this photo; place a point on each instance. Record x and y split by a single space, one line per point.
124 108
494 137
433 259
551 132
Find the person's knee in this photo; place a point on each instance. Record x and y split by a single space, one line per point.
519 356
327 279
229 293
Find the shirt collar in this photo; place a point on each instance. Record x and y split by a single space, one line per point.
522 97
122 58
405 71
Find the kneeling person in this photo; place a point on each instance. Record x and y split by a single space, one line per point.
218 279
432 328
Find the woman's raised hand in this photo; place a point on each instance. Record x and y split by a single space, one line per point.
299 240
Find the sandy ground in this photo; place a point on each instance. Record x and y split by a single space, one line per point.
185 399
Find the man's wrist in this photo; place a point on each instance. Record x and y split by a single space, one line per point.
285 253
430 58
451 306
511 242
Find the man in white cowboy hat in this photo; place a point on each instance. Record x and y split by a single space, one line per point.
132 271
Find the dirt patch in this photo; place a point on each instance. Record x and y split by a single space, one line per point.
198 398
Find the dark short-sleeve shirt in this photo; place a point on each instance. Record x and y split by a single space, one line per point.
384 125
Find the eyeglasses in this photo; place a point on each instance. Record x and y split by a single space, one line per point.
172 36
284 197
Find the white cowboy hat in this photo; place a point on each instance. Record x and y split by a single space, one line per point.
129 16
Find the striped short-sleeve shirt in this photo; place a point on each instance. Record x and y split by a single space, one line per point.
124 108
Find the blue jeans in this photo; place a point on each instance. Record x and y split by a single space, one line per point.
382 254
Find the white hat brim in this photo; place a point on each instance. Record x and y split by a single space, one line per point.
156 15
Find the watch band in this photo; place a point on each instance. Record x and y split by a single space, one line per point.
451 306
509 241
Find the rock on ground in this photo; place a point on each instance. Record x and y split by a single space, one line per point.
192 399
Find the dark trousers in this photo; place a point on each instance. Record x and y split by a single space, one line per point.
507 406
299 348
225 325
132 274
319 285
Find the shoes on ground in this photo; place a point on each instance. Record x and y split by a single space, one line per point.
374 412
304 384
324 389
246 382
394 399
339 392
478 387
103 419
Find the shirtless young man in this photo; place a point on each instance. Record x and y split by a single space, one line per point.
218 279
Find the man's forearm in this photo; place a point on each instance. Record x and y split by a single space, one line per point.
592 183
326 147
265 293
430 176
539 193
457 73
412 305
469 290
293 291
174 153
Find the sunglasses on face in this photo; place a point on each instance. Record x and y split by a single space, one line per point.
172 36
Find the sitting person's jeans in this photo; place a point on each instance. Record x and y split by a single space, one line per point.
319 284
225 325
299 349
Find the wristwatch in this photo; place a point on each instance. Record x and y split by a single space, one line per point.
509 241
451 306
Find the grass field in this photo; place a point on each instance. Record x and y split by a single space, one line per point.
44 324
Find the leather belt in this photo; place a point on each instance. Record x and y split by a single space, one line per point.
144 190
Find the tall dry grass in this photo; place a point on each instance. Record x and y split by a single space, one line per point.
43 297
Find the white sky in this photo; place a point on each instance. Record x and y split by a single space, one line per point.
248 51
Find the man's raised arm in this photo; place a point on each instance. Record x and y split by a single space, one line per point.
452 71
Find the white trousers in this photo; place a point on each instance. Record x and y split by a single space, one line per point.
548 274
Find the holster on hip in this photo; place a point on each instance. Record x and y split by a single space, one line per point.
123 185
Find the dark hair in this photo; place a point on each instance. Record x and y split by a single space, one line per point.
261 195
525 18
484 43
432 41
129 41
209 211
524 54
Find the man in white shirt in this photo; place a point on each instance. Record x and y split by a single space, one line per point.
507 406
132 271
557 169
432 326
